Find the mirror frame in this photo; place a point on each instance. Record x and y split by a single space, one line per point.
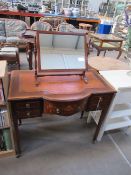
49 72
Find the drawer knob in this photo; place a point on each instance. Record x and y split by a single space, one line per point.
28 113
27 105
57 110
100 99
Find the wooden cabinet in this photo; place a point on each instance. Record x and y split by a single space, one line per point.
6 141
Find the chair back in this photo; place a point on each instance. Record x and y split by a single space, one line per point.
53 21
65 27
39 25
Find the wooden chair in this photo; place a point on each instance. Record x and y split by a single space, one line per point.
85 26
11 55
106 42
53 21
65 27
39 25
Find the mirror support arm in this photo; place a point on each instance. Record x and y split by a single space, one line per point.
84 77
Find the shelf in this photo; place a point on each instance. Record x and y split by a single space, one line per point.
118 123
2 104
7 153
4 127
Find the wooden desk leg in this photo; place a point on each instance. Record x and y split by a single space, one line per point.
16 138
103 116
15 131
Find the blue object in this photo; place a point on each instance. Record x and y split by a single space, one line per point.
104 28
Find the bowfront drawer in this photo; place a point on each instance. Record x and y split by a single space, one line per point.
64 108
28 114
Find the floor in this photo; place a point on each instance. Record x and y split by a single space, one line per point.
57 145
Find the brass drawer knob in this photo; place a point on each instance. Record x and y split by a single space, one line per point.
57 110
28 113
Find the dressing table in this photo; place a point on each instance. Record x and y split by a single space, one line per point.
54 89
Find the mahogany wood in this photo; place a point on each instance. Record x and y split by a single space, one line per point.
61 95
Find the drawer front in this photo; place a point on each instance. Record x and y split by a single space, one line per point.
27 108
28 114
27 105
64 108
97 102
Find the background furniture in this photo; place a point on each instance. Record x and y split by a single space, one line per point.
36 16
119 113
107 63
40 25
84 26
54 21
20 15
6 141
67 96
65 27
11 55
106 42
11 31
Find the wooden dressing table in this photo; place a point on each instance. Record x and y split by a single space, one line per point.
61 95
60 84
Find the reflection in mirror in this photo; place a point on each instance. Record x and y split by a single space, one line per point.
61 51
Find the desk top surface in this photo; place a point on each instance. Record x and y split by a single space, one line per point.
56 88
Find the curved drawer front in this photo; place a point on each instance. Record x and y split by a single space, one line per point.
64 108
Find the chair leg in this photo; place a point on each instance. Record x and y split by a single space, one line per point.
120 52
98 52
104 53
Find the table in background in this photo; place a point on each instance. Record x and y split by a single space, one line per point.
104 42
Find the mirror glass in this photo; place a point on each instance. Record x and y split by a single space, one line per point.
61 52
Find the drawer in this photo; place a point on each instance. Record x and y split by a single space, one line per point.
64 108
28 113
20 105
97 102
